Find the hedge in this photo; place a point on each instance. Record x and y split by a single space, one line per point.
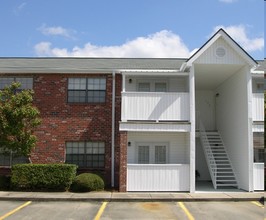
42 177
87 182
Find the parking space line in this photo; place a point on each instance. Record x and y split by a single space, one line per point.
100 212
257 204
15 210
190 217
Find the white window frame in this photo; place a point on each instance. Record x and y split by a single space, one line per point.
152 151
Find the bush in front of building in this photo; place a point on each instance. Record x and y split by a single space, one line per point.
4 182
87 182
42 177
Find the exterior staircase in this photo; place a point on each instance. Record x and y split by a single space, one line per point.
219 165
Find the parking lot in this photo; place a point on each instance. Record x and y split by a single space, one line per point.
25 210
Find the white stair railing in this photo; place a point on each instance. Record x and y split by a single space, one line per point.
208 153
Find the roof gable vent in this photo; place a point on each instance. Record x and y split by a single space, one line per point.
220 52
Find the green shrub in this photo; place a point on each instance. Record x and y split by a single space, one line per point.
42 177
4 182
87 182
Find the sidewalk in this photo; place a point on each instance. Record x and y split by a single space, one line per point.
116 196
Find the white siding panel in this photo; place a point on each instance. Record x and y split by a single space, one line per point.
233 123
258 175
209 56
160 177
178 144
155 106
258 128
258 106
154 127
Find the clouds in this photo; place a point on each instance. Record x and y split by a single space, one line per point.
240 34
160 44
157 45
19 8
57 31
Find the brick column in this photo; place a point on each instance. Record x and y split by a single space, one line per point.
123 162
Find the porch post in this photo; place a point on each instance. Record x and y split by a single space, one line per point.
123 82
192 124
250 132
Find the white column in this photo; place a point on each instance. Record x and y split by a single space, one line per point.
250 132
123 82
192 132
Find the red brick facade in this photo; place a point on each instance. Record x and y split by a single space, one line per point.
63 121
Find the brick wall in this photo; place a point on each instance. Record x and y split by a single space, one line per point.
62 121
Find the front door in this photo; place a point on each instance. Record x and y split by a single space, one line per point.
205 108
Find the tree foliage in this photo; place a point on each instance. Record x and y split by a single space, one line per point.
18 118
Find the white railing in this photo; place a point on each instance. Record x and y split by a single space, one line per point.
155 106
258 176
208 153
158 177
258 106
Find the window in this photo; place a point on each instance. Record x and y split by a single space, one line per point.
12 159
152 153
258 144
160 87
144 87
86 90
160 154
143 155
152 86
26 82
86 154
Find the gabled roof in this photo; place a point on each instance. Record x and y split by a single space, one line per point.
222 33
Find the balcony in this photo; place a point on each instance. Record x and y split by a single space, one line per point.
158 177
155 106
258 107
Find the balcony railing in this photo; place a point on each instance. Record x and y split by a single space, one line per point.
258 107
158 177
154 106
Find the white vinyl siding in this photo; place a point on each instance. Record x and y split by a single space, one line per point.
178 145
158 177
155 106
209 56
258 176
258 106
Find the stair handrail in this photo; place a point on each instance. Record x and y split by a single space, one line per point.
229 161
208 152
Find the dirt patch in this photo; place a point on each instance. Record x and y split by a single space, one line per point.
152 206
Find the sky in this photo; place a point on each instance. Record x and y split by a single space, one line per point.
126 28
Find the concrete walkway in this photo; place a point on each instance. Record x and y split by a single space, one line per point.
116 196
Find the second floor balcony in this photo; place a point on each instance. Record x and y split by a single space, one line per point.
155 106
258 106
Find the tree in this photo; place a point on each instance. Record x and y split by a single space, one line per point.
18 119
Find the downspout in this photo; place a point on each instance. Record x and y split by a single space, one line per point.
113 134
